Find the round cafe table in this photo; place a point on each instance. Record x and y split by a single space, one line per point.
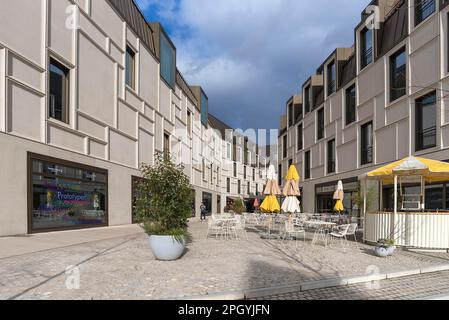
321 231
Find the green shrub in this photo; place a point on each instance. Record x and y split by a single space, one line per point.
239 206
163 205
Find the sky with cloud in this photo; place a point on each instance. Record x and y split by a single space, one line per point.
250 56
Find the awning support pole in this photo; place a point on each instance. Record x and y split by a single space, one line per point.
395 204
364 208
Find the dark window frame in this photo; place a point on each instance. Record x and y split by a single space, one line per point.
65 99
366 52
367 152
331 156
321 124
300 136
423 10
420 133
285 146
398 82
130 68
331 78
307 165
351 108
307 100
38 157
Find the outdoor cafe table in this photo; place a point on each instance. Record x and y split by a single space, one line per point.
227 225
321 232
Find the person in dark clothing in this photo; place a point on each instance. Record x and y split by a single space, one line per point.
203 212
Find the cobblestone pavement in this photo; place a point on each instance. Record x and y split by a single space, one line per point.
407 288
124 267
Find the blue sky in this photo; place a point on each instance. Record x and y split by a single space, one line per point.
250 56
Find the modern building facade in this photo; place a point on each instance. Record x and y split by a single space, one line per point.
381 100
89 90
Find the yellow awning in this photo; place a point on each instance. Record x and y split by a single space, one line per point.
430 170
292 174
270 205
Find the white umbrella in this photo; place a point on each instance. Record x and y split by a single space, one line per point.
291 191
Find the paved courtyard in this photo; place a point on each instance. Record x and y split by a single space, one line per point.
123 267
433 286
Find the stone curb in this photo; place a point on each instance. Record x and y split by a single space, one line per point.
319 284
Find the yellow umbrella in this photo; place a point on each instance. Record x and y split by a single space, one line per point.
270 205
292 174
291 191
339 195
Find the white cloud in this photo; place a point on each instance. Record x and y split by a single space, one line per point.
251 55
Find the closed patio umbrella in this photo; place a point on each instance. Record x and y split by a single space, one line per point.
339 197
272 190
291 191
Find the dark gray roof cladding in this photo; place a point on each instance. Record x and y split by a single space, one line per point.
219 125
186 88
348 71
393 30
131 13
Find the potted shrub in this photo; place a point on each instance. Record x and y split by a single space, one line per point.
385 248
163 207
238 206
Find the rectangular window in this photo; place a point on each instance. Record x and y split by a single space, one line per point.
211 174
331 156
218 176
434 197
235 170
254 174
166 145
240 154
244 172
447 196
280 175
59 92
331 78
168 61
204 169
130 67
367 145
426 121
398 72
307 165
228 185
249 188
423 9
204 110
239 187
291 117
189 123
307 99
320 124
228 150
66 195
284 146
350 105
366 46
300 137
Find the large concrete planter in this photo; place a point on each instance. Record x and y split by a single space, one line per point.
167 248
